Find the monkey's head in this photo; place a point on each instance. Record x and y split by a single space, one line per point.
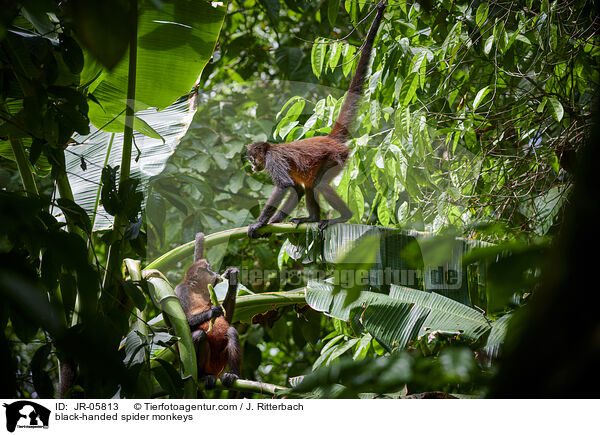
200 275
256 154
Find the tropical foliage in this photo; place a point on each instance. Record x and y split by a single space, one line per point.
462 161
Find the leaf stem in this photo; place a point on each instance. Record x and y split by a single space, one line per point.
181 252
24 167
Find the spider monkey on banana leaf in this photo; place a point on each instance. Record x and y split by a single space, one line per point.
307 166
218 346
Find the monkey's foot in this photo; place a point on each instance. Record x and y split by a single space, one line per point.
302 220
228 379
210 381
324 224
328 222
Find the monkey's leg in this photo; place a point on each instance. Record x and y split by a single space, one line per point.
270 208
312 204
202 356
231 274
234 357
337 203
289 205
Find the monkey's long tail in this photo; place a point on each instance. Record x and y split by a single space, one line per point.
347 114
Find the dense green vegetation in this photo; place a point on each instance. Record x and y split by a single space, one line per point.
463 159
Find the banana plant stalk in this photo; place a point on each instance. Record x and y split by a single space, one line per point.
164 298
187 249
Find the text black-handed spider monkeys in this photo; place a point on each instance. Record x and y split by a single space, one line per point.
307 166
218 346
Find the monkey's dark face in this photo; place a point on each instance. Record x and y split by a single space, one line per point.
255 153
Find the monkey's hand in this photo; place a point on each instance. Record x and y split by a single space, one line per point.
253 228
228 379
210 381
216 311
231 275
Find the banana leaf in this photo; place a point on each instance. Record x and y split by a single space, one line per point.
404 315
98 149
418 260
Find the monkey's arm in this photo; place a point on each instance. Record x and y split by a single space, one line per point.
231 274
289 205
270 208
195 320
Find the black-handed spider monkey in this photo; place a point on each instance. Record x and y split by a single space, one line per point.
307 166
220 346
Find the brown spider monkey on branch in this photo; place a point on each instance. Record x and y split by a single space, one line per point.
307 166
221 345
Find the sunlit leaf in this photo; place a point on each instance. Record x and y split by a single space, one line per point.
100 148
556 108
317 56
185 34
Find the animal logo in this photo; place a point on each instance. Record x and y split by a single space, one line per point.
25 413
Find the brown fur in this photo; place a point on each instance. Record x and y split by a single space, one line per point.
308 166
217 343
195 299
306 156
197 278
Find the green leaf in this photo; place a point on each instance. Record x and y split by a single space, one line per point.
296 110
405 315
90 20
169 379
317 56
383 212
553 36
75 213
273 7
408 89
480 96
482 13
333 7
356 202
419 62
101 148
497 336
353 264
375 113
185 34
556 108
134 293
288 102
489 43
164 298
336 53
348 63
37 14
134 347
